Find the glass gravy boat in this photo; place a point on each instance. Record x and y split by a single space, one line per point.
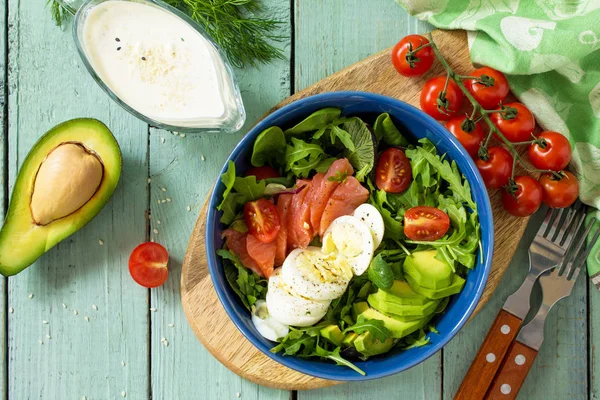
234 114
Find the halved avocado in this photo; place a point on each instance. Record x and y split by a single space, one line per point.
66 179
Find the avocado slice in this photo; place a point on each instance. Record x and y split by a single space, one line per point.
333 333
428 271
349 339
454 288
397 327
402 309
401 293
65 180
368 347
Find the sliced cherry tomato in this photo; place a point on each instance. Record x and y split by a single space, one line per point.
416 64
517 129
525 200
470 140
488 96
559 193
262 219
554 154
393 173
450 105
264 172
497 170
148 264
425 223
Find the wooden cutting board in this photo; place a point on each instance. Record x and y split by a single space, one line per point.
205 313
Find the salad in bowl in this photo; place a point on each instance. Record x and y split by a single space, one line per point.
345 239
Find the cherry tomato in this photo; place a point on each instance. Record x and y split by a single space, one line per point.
425 223
498 169
488 96
556 154
262 219
264 172
393 173
430 96
527 198
559 193
518 129
416 64
148 264
470 140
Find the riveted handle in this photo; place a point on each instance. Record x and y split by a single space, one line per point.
487 361
512 373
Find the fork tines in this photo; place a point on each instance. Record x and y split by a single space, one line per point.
561 224
580 253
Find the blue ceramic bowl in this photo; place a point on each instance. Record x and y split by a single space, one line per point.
415 124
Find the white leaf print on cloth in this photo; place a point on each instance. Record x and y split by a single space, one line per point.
523 33
547 109
563 65
594 98
479 9
586 164
565 9
424 9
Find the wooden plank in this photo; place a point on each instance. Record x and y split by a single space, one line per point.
329 36
48 84
3 191
187 167
560 370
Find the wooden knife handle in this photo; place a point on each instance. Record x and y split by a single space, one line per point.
487 361
512 373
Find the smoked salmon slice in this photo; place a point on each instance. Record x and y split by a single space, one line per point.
346 197
283 204
338 169
263 254
299 231
236 242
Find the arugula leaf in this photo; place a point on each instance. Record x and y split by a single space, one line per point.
315 121
301 157
380 273
228 179
249 188
268 147
335 355
238 191
374 326
418 339
362 157
386 131
245 283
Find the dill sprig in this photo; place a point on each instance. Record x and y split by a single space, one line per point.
235 25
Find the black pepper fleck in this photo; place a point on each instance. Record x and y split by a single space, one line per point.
118 48
143 58
117 39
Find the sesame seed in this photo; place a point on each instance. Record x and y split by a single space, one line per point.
202 157
64 305
41 341
163 201
164 189
84 398
30 295
238 395
152 240
95 307
162 339
171 325
123 393
168 199
149 180
162 140
123 363
101 242
166 343
182 135
44 322
11 310
157 201
75 312
149 216
153 309
48 337
158 221
87 318
189 208
155 231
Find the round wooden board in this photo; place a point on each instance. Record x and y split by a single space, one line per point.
205 313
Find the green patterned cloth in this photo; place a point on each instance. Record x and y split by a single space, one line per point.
550 50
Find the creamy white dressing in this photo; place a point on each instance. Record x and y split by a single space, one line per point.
154 62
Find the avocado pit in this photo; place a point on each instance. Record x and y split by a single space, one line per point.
66 180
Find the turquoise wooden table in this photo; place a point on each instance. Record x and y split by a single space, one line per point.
103 334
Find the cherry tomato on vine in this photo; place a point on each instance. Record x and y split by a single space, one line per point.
430 98
554 153
262 219
559 193
488 96
470 140
393 173
415 64
497 170
264 172
526 198
148 264
425 223
518 129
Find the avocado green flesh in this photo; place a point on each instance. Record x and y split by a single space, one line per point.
22 242
454 288
401 293
368 347
349 338
401 309
428 271
397 328
333 334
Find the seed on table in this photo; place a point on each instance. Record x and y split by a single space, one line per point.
158 221
171 325
189 208
101 242
163 201
95 307
238 395
149 180
64 305
123 363
123 393
182 135
11 310
153 309
48 337
75 312
87 318
30 295
202 157
84 398
155 231
162 140
168 199
44 322
41 341
164 189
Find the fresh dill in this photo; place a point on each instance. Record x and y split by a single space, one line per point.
235 25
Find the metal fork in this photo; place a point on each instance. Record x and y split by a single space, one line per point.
555 286
547 250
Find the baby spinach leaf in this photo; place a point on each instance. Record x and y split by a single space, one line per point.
249 188
343 136
315 121
362 157
374 326
268 147
380 273
386 131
